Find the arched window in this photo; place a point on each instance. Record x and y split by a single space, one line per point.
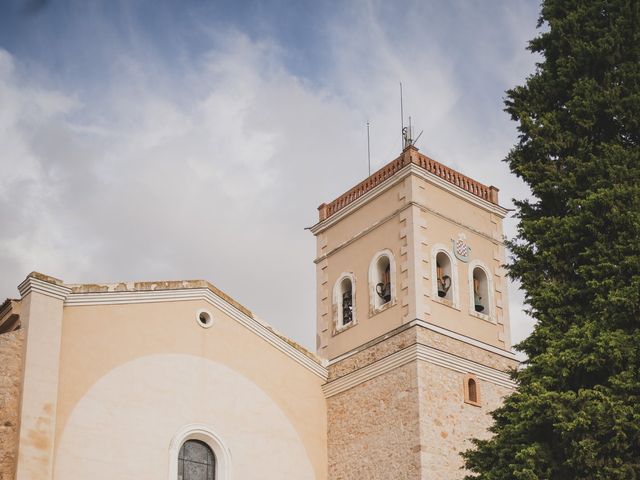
344 301
197 453
480 291
196 461
471 390
444 276
382 289
473 394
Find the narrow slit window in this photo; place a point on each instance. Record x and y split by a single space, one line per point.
480 291
473 392
444 276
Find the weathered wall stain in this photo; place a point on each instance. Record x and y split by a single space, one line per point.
39 437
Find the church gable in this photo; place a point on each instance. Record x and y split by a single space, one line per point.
143 366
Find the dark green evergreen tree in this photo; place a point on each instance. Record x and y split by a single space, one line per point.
576 414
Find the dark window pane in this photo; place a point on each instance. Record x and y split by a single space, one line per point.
473 395
196 461
195 471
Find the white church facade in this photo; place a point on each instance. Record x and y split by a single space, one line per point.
177 381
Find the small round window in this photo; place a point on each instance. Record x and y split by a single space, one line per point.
204 318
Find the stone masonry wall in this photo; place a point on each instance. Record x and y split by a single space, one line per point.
411 422
11 357
447 423
377 350
373 429
404 337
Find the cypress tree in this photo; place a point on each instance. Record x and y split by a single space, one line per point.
576 413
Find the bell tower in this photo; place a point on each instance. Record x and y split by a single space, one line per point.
412 319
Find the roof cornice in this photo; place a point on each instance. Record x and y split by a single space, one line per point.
49 286
409 156
409 169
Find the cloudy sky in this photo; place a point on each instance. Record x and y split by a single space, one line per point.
153 140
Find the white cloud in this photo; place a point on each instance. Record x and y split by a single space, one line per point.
216 178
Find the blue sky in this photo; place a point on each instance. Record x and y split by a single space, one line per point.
194 139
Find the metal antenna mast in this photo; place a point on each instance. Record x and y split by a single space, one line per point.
407 132
368 149
401 119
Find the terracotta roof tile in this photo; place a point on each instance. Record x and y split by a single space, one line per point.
409 156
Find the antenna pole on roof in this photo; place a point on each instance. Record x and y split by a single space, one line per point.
418 137
368 149
401 119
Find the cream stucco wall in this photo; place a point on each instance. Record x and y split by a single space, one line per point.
356 258
132 375
122 427
349 247
444 216
41 318
368 215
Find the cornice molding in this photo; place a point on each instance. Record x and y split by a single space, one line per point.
32 284
258 327
442 331
408 205
400 175
413 353
463 338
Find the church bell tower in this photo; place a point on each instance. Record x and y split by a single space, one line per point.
412 318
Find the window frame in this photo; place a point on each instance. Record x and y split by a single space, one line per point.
467 398
206 435
489 316
206 324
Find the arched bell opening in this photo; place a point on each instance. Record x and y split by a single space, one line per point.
344 303
383 281
480 291
444 276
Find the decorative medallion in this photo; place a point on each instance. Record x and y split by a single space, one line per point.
461 248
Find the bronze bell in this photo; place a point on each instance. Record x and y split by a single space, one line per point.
477 299
444 284
384 291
